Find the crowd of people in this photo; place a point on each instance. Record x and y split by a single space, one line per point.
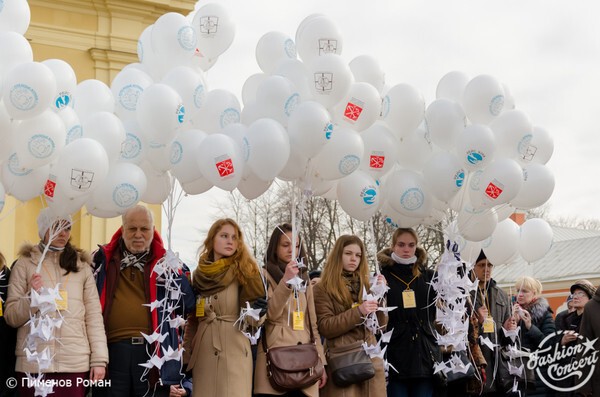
239 320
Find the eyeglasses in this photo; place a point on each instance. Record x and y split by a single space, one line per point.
579 294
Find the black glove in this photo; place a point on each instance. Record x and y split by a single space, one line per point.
262 304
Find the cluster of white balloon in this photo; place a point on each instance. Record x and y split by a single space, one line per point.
332 126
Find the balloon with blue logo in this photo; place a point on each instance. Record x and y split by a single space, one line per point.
513 131
271 48
220 109
40 139
540 147
127 88
123 187
483 99
341 156
15 16
408 193
184 149
396 219
134 148
190 84
160 112
445 175
475 146
23 184
358 195
278 98
28 89
66 81
173 39
107 129
72 124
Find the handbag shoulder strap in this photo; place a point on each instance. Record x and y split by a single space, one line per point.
312 335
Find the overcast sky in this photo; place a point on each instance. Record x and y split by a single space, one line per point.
546 51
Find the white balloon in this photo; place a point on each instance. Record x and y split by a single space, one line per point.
159 156
297 72
160 112
414 150
60 203
2 197
360 108
23 184
15 16
190 85
250 113
173 39
184 149
500 183
309 128
198 186
304 23
397 219
358 195
403 108
127 87
444 175
509 99
158 185
66 81
407 193
540 148
152 63
81 167
452 86
250 87
536 239
135 146
123 187
220 109
538 185
273 47
381 150
72 124
331 79
476 224
239 133
251 186
269 148
340 156
445 120
503 244
295 168
513 130
214 28
28 90
219 160
319 36
92 96
108 129
367 69
504 211
483 99
40 139
278 98
476 146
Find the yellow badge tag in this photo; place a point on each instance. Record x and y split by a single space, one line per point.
355 304
408 299
488 325
200 302
1 312
298 321
62 304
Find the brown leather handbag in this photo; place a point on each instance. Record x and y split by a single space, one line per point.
293 367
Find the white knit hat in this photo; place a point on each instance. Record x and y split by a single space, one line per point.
47 218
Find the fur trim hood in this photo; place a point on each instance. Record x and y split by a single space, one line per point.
384 257
538 309
32 251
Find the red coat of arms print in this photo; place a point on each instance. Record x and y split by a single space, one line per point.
224 166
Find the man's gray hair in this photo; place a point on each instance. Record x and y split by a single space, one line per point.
137 208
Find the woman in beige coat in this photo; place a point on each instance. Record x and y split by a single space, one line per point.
226 278
279 328
340 311
79 345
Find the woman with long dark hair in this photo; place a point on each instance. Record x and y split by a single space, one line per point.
281 327
78 349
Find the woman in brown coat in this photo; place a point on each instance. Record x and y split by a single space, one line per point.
226 278
279 328
340 311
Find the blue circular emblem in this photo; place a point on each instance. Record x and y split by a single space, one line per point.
131 147
459 178
140 50
385 106
412 199
186 36
348 164
524 144
40 146
75 132
496 105
290 48
176 152
62 100
125 195
199 96
129 95
368 195
229 116
23 97
328 130
15 168
180 113
474 157
291 103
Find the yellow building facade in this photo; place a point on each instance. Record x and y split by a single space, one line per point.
97 38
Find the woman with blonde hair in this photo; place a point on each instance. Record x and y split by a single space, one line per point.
413 348
285 302
341 310
226 278
534 317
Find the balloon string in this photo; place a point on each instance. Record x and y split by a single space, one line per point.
372 244
170 207
20 204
